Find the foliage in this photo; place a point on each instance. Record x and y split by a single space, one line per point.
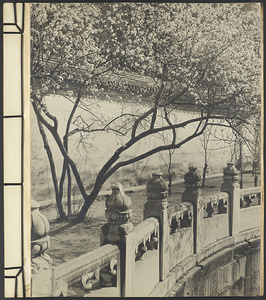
203 56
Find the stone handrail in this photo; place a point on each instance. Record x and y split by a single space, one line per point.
92 270
146 236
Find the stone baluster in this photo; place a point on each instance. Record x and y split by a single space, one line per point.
120 231
157 206
192 194
230 185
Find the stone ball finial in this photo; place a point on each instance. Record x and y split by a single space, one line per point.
156 184
192 177
118 205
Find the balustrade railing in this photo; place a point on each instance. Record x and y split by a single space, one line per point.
133 261
89 272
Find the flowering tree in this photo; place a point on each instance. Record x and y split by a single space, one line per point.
202 56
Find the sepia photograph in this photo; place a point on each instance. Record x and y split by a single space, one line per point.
136 135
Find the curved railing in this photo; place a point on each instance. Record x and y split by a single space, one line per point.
149 258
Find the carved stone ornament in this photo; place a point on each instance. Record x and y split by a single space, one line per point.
175 224
155 205
192 178
187 218
222 206
141 250
210 209
40 263
153 243
125 229
109 274
230 172
91 279
40 240
118 212
156 192
61 288
39 223
156 184
118 205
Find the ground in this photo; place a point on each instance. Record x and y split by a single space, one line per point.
71 240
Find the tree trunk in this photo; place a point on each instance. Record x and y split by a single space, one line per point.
241 166
255 173
170 184
68 191
88 202
62 214
58 196
204 174
170 173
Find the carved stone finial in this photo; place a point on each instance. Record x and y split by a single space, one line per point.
118 212
156 184
192 177
40 224
156 187
118 205
118 201
230 172
40 240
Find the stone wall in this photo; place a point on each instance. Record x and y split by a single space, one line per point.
215 229
231 272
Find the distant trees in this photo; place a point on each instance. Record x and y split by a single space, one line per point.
202 56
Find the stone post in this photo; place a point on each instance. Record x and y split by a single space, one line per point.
192 194
231 186
41 263
157 206
120 231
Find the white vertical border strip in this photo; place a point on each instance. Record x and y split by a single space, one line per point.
17 274
26 151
